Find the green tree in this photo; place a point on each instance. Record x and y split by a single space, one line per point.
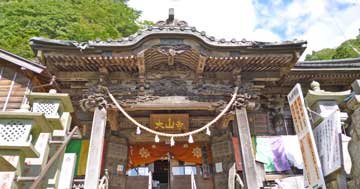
345 50
323 54
79 20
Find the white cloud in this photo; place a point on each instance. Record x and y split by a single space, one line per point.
321 22
325 25
221 19
264 35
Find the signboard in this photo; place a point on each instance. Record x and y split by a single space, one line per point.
231 178
312 166
175 123
67 170
328 143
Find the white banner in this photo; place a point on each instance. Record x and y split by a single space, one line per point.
328 143
312 166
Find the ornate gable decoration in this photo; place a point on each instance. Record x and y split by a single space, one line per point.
171 21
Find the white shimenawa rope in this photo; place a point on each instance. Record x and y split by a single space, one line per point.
179 134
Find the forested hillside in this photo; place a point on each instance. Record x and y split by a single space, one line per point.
79 20
343 51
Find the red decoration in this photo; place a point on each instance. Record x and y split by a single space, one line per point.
140 154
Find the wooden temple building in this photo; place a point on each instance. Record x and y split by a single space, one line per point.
170 78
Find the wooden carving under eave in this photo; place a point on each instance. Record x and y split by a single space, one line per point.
96 100
141 68
225 120
243 100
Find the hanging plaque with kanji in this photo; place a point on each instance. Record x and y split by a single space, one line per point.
173 123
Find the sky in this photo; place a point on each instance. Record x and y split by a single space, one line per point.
322 23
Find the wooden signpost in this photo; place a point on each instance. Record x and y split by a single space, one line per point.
94 159
247 154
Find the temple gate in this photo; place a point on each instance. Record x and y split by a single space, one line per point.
173 101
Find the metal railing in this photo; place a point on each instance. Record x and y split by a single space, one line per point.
103 182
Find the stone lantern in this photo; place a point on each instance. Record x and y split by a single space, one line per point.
55 106
19 131
324 102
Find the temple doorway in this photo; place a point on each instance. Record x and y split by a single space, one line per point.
161 174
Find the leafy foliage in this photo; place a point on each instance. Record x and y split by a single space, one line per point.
79 20
343 51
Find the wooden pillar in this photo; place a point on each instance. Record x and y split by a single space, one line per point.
96 146
248 160
113 121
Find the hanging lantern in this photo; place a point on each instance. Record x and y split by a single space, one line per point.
191 140
138 130
157 139
172 141
208 132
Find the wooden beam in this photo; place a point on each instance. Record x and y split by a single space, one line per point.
178 106
247 154
96 147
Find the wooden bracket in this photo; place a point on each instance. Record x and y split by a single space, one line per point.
141 68
200 69
112 118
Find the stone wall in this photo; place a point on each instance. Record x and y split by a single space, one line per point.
222 153
116 158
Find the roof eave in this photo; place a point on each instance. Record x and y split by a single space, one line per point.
22 62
